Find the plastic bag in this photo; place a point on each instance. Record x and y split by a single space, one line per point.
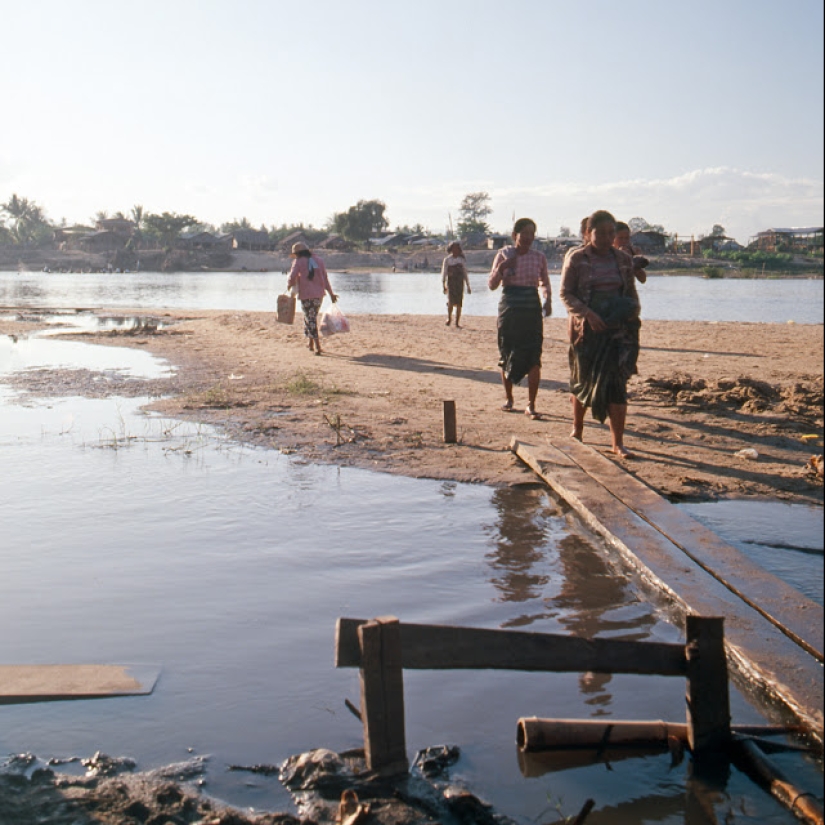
333 321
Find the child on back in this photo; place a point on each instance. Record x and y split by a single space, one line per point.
622 241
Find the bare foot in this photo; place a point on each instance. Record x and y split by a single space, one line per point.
577 436
530 412
622 452
507 406
448 322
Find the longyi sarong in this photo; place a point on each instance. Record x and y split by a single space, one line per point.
520 331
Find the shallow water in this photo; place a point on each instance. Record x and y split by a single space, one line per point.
785 539
677 298
129 538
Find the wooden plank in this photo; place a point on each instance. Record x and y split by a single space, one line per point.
439 647
707 699
450 431
382 695
757 650
22 684
797 616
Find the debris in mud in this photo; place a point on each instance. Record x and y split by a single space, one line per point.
324 784
799 402
31 794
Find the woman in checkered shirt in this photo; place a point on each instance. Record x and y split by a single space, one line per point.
525 301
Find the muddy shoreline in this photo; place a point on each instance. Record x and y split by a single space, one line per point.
375 400
705 392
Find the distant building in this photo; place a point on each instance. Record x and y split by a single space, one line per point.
649 241
495 241
103 241
254 240
285 244
205 241
794 239
118 225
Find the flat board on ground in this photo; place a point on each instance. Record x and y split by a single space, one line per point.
20 684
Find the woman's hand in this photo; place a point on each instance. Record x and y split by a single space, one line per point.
469 291
334 297
595 321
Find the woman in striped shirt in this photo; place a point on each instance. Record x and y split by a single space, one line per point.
525 300
598 288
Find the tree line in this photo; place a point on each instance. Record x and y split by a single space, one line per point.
23 221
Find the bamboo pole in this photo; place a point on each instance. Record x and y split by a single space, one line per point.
802 803
534 734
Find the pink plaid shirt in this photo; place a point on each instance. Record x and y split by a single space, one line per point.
531 270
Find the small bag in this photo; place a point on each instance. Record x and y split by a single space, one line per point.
333 321
286 308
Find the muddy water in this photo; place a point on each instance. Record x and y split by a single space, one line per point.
132 539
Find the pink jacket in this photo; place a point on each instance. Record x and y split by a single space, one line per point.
299 274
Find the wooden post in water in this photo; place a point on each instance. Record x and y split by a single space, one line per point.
708 702
450 436
382 695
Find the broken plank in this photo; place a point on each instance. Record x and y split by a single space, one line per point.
442 647
22 684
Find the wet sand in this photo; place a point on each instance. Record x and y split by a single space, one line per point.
374 399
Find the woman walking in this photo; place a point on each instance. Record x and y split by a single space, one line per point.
525 300
453 279
598 288
310 274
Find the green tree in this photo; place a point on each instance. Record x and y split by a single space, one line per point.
26 220
235 225
718 231
641 225
167 226
473 210
361 222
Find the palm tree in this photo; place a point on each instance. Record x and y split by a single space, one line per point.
26 218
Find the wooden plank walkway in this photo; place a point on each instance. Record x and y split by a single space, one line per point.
22 684
773 634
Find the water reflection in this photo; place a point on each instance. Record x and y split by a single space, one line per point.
521 535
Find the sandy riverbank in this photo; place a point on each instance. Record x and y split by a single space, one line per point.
374 399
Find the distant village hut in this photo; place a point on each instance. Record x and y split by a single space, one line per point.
794 239
205 241
103 241
286 243
334 242
252 240
649 241
495 241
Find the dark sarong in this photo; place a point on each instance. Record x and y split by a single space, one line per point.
455 285
310 307
602 363
520 331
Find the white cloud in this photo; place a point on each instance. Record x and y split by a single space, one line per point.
689 203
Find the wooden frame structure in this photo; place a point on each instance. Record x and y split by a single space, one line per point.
383 647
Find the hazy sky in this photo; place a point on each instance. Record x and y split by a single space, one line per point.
687 114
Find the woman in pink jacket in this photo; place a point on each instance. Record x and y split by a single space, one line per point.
310 275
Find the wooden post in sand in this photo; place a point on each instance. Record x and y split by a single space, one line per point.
382 695
708 702
450 436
